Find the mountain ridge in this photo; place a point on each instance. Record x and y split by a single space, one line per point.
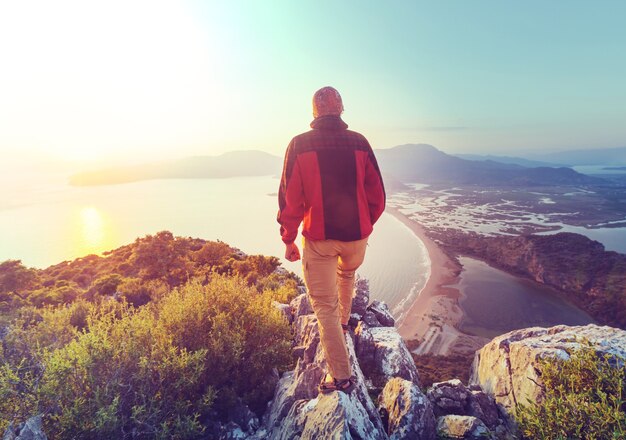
407 163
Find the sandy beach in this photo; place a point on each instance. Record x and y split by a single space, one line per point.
433 317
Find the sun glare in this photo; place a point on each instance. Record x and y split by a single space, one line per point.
89 79
92 235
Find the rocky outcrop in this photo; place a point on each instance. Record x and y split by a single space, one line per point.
452 398
384 370
336 415
361 298
297 403
299 306
508 367
298 410
381 312
462 427
383 355
407 411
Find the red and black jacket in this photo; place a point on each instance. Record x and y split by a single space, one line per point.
332 182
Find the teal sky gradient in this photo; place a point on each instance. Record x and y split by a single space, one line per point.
483 76
487 75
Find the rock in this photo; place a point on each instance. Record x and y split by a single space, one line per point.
232 431
507 368
288 412
382 313
285 309
298 352
484 407
300 305
454 398
370 320
450 397
462 427
307 336
383 355
361 298
245 419
32 429
336 415
408 411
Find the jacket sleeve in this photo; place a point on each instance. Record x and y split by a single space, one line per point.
374 188
290 197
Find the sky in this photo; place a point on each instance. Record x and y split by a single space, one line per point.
98 81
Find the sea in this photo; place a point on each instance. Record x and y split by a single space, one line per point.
44 221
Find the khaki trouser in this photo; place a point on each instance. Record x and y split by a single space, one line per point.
329 267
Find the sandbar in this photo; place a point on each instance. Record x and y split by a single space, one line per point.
434 315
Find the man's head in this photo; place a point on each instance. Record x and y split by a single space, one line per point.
327 101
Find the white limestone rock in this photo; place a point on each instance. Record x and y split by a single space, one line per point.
383 355
288 413
408 411
300 305
381 311
462 427
508 367
32 429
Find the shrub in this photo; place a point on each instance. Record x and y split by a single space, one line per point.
105 285
161 369
118 377
138 292
212 253
583 399
15 277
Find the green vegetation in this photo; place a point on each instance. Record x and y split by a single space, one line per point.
584 398
158 339
435 368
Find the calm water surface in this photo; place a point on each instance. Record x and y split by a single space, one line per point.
495 302
44 221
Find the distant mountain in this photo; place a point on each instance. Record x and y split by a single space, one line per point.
511 160
233 164
402 164
425 164
600 156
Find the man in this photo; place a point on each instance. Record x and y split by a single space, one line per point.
332 183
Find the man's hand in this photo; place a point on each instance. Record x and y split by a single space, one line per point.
292 253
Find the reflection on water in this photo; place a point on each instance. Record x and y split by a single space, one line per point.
63 223
495 302
91 234
93 227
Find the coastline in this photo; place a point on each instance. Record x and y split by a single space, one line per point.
433 317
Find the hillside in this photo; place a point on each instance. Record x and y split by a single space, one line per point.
510 160
172 337
593 278
425 164
590 156
402 164
142 341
